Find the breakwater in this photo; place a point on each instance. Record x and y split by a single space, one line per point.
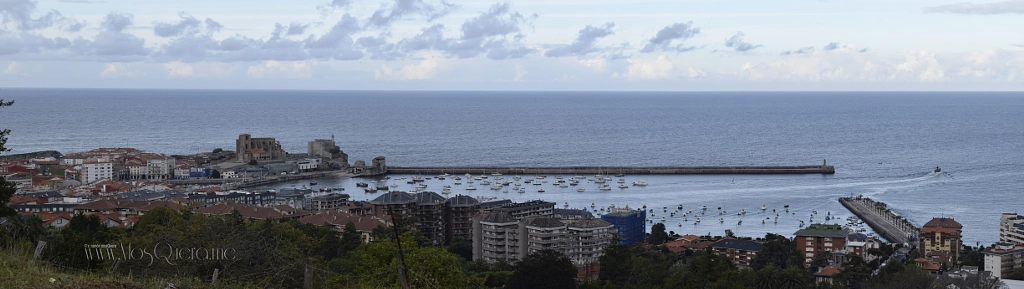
881 219
654 170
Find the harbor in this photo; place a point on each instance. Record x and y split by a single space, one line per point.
632 170
881 219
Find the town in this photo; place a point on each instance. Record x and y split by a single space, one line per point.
119 187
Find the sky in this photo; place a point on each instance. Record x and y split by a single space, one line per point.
682 45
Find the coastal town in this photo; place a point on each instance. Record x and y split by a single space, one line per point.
120 186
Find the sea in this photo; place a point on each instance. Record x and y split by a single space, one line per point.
884 145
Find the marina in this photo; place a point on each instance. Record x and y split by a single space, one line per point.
699 205
633 170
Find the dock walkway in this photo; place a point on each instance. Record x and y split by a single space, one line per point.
883 221
647 170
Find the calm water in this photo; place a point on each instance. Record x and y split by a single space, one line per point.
883 144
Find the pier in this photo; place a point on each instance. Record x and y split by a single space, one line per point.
640 170
883 221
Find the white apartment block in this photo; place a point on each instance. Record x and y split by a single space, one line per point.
497 235
96 171
1002 258
1011 228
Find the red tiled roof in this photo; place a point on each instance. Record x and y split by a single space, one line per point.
829 270
943 223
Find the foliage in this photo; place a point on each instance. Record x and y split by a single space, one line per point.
658 235
1017 274
543 269
777 250
214 174
253 162
461 248
335 150
427 267
855 272
7 189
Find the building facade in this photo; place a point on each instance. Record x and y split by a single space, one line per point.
459 212
1011 228
248 148
819 238
941 237
630 224
497 235
740 252
321 147
96 171
1002 258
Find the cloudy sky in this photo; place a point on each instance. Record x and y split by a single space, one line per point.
514 45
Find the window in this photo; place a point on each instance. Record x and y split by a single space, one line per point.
810 244
809 255
828 244
809 249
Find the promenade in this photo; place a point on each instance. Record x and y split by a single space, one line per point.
883 221
632 170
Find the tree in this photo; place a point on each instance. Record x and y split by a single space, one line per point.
821 260
543 269
461 248
7 189
777 250
658 235
215 174
253 162
335 150
427 267
1017 274
218 150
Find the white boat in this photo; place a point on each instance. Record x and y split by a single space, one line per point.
496 187
485 183
581 189
470 188
622 181
458 183
563 185
623 186
604 188
495 174
640 183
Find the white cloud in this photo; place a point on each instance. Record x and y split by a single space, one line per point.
924 64
696 73
13 68
179 69
599 64
281 69
520 72
117 70
425 69
641 69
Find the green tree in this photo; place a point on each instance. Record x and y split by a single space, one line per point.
427 267
218 150
855 272
7 189
335 150
253 162
461 248
821 260
658 235
1017 274
777 250
543 269
214 174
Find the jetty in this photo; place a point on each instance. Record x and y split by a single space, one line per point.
882 220
633 170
